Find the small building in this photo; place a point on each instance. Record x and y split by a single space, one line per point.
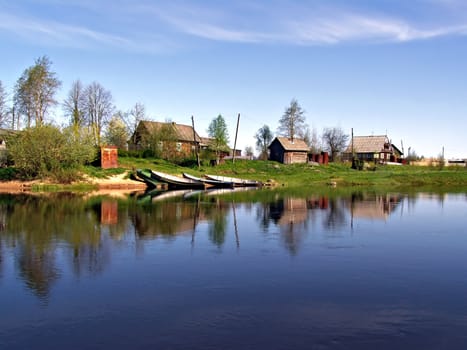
176 138
287 151
372 148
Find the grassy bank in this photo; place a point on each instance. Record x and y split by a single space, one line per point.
301 175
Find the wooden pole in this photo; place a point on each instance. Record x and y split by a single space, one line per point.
195 142
235 142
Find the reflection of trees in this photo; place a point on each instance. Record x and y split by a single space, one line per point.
37 224
335 216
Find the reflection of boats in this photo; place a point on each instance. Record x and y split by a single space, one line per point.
176 181
210 182
219 191
236 181
164 195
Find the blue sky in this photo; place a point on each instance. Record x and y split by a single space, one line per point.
377 66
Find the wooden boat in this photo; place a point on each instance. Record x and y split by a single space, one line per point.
177 181
236 181
210 182
146 176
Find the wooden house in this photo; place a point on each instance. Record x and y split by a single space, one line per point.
372 148
180 139
287 151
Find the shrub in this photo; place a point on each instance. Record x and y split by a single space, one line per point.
46 151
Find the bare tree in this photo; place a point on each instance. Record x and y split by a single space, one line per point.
334 140
75 104
35 91
263 140
134 117
292 121
4 113
98 109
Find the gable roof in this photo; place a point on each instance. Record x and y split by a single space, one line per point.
184 132
288 145
367 144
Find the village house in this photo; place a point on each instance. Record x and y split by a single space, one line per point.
287 151
372 149
182 138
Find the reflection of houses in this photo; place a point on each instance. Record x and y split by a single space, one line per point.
183 137
372 148
288 151
373 207
294 211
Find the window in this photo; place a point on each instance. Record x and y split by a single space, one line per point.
179 146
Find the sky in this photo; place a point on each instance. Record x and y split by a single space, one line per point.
379 67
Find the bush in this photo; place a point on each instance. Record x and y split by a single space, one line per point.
46 151
8 174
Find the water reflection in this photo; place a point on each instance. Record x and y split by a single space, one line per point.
37 227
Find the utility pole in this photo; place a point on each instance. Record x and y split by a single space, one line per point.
235 142
195 142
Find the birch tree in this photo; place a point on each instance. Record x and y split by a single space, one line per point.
98 109
35 91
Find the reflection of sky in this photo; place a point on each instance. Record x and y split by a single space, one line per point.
380 283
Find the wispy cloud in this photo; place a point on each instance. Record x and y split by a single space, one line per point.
301 25
54 33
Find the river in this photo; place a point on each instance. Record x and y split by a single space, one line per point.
260 269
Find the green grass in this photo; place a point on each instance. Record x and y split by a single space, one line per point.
306 176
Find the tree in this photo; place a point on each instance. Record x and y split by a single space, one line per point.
4 113
74 105
117 133
220 137
98 109
292 121
35 91
334 140
249 152
263 140
134 117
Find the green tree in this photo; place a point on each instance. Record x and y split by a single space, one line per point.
116 133
335 141
292 121
46 151
263 140
220 137
35 91
74 104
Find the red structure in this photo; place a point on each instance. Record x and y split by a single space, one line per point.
109 157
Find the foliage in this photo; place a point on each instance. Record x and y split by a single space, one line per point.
263 140
48 152
8 174
292 121
74 104
334 141
116 133
35 91
220 137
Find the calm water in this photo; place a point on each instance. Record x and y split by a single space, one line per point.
254 270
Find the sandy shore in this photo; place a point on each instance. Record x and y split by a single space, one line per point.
116 182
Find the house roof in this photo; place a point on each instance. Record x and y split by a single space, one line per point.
367 144
288 145
184 132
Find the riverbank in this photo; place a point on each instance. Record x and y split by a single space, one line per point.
293 176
